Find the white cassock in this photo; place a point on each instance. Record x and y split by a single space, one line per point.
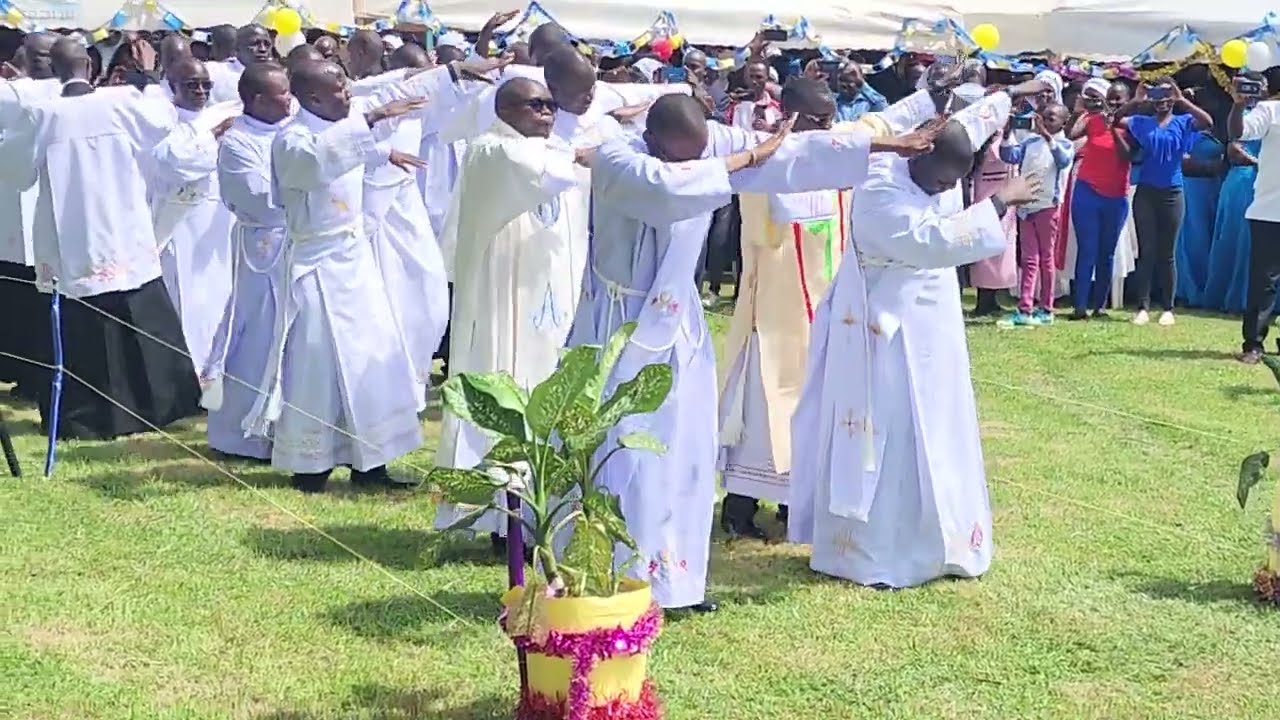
242 343
338 359
888 483
396 219
192 226
651 219
225 76
520 250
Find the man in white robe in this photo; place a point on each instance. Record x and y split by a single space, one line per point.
515 266
242 344
26 327
339 388
653 203
191 223
888 482
253 45
95 245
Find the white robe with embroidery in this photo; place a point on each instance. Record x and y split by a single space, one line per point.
339 388
193 227
18 205
517 271
651 219
887 475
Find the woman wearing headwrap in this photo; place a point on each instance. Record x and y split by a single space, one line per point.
1201 184
1227 285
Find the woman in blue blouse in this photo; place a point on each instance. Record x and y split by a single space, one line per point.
1164 136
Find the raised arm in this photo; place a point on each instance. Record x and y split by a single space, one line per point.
806 161
185 155
1256 124
302 160
520 173
21 151
917 234
148 120
656 192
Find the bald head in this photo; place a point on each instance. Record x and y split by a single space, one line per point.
950 160
222 42
676 129
364 53
69 60
327 45
409 56
253 45
173 48
264 90
806 95
545 38
526 105
189 80
36 52
446 54
571 78
303 54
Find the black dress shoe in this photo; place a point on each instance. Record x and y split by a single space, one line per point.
707 605
783 514
311 482
1078 315
378 477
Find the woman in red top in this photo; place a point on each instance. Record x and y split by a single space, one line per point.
1099 201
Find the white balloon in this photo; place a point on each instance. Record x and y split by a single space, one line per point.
1257 56
285 43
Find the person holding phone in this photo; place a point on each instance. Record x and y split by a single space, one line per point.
1262 125
1165 135
1227 285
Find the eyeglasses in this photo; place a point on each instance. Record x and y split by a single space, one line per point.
205 85
542 105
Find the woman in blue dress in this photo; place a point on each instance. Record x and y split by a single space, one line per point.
1202 180
1228 281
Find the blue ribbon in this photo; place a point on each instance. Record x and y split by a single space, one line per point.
55 389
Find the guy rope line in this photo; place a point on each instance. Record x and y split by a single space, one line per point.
256 491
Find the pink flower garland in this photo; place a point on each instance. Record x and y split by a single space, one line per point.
588 649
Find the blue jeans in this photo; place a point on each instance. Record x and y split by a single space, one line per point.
1098 221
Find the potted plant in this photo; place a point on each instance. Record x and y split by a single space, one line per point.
586 629
1266 581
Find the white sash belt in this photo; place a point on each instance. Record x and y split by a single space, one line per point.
617 294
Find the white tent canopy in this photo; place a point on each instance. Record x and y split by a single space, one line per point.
1069 27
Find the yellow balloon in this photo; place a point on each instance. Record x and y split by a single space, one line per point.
676 41
288 21
268 17
986 36
1235 53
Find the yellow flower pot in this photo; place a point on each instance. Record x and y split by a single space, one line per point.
613 679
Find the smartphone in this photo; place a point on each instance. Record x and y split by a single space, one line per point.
774 35
1022 122
1094 104
1248 88
761 111
1158 93
830 68
677 74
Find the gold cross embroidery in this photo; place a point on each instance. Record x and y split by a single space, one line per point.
340 204
842 542
874 328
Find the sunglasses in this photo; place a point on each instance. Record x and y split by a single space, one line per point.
822 121
542 105
205 85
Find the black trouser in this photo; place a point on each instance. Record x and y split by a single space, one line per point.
723 245
442 352
1157 216
1264 272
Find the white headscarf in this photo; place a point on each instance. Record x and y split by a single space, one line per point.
1054 80
1098 85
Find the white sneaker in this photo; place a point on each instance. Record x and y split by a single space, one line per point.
1142 318
1166 318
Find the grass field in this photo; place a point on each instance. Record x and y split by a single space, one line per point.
142 583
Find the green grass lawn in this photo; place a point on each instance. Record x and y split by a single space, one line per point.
142 583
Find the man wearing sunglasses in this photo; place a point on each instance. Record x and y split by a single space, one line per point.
192 226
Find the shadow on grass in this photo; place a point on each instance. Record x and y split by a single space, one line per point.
1164 354
172 478
1241 392
751 572
386 703
446 617
398 548
1213 592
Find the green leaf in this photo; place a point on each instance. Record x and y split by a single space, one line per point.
643 393
463 486
603 508
466 521
471 397
507 451
642 441
590 554
1252 470
502 387
1273 364
608 358
548 401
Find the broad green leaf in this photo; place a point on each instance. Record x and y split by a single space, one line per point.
643 393
560 474
470 400
1252 471
1273 364
600 507
590 552
464 486
466 521
507 451
502 387
608 358
642 441
549 399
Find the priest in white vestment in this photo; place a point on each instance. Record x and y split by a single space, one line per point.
94 244
26 329
888 483
517 250
340 386
242 343
191 223
792 244
653 203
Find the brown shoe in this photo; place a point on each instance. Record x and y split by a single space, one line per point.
1250 357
